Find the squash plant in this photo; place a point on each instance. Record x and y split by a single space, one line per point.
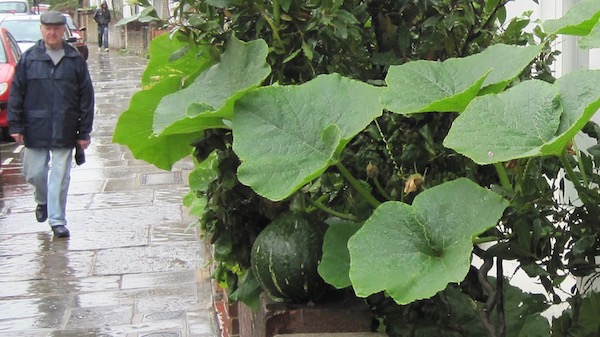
414 164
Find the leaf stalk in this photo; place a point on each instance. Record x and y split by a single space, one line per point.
591 207
330 211
503 176
381 189
357 186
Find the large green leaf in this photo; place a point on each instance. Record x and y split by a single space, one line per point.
412 252
514 124
335 263
148 14
579 20
592 40
580 100
163 75
423 86
426 86
285 136
174 56
501 73
134 128
243 66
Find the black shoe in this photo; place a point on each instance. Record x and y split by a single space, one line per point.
60 231
41 213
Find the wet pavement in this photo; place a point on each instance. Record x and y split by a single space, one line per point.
133 265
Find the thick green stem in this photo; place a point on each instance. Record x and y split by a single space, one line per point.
381 189
357 186
273 23
485 239
570 172
581 167
276 13
331 211
591 207
503 176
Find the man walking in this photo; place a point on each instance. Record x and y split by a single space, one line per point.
51 110
102 18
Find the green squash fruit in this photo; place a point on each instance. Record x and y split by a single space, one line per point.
285 257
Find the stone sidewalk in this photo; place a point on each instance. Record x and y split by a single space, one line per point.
133 265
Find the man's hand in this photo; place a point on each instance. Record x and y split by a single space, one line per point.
83 143
18 137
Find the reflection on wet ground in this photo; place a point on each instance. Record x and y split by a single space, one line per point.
132 266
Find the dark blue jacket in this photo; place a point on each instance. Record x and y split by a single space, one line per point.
51 105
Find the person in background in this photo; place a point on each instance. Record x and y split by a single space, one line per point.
102 18
51 111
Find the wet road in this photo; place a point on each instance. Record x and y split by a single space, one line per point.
131 267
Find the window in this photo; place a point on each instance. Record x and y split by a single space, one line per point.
14 47
13 7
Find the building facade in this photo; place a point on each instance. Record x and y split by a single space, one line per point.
133 37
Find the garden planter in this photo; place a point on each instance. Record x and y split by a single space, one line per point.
273 318
227 313
340 315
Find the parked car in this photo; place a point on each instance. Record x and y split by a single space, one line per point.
77 32
26 30
14 7
9 56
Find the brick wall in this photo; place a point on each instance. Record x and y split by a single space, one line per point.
227 313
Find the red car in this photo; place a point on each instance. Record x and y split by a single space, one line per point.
9 55
78 33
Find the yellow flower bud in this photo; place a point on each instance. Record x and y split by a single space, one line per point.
413 183
372 171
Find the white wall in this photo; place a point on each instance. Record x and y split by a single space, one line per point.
595 58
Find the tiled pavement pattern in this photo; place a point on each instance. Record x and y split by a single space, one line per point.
133 267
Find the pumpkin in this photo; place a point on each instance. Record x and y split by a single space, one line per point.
285 257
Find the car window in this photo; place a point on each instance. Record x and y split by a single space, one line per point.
70 23
13 7
13 47
68 34
23 30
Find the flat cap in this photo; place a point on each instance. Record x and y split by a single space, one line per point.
53 18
